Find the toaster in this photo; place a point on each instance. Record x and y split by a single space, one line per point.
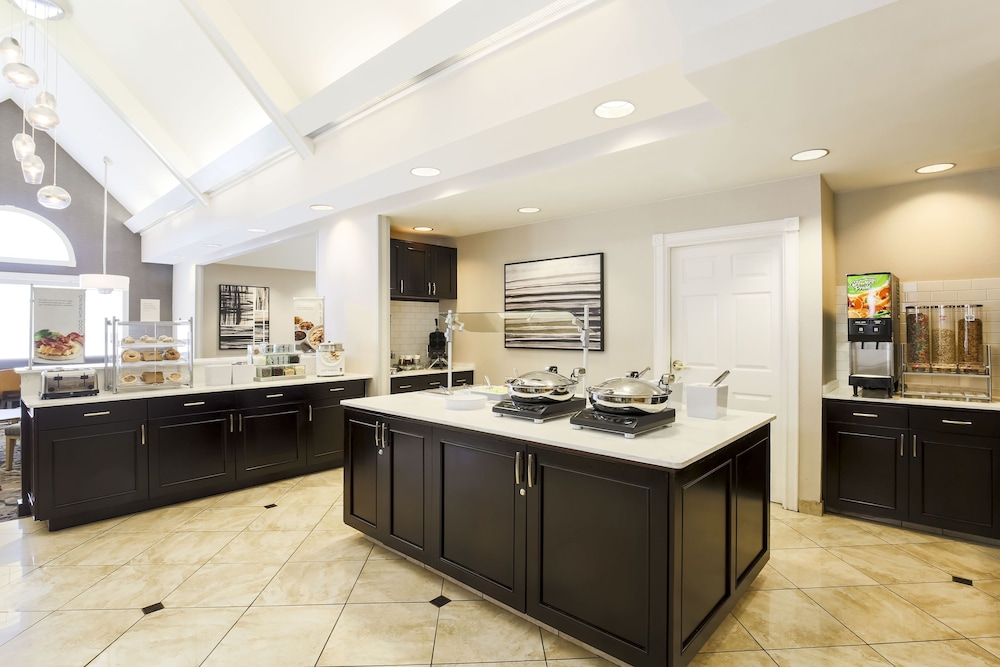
67 382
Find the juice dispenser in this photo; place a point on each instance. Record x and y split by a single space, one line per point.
872 324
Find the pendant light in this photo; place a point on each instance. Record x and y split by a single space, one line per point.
53 196
103 282
11 50
23 143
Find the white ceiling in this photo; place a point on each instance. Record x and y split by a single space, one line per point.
225 115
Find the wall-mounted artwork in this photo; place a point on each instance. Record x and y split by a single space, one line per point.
243 316
564 283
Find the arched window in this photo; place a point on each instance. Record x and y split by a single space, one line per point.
28 238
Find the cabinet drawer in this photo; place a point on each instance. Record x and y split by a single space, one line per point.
948 420
402 385
857 412
170 406
254 398
336 390
68 416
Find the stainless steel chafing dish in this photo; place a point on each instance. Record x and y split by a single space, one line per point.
67 382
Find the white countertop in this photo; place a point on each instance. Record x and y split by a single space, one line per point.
34 401
847 394
682 443
455 368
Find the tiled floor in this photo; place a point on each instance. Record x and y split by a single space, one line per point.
292 586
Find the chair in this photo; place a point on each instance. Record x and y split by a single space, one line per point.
11 434
10 389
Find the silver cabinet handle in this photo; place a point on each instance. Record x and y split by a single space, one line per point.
428 288
194 403
378 428
865 414
142 431
274 396
405 386
338 388
902 436
531 470
517 468
400 285
953 421
385 427
914 445
230 422
435 289
97 414
310 412
241 422
436 383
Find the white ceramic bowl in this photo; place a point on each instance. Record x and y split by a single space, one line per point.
464 401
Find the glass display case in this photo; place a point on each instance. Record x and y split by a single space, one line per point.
148 355
274 361
945 356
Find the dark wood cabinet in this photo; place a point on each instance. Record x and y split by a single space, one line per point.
387 471
420 382
270 440
325 423
191 453
422 272
936 467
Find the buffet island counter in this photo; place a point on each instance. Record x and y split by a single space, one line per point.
87 458
636 547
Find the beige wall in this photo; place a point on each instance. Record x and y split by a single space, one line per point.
284 286
943 228
625 237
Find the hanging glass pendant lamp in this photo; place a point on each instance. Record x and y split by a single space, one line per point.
104 282
20 75
11 50
23 143
53 196
33 169
42 114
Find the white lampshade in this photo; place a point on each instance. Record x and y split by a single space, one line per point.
53 196
23 145
42 117
103 282
33 169
11 50
20 75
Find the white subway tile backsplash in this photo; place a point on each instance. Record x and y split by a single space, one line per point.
930 285
975 296
945 296
908 287
986 283
993 294
957 284
839 290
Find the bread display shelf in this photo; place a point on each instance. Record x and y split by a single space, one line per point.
138 359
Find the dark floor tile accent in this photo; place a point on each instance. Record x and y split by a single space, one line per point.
153 607
440 601
267 507
962 580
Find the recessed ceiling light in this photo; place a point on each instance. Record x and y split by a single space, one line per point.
935 168
614 109
213 245
423 229
811 154
425 171
528 209
321 207
257 230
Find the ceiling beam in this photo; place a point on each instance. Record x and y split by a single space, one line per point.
302 145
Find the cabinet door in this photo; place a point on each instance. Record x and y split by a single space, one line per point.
325 442
866 470
444 273
394 249
479 513
414 260
955 482
403 486
362 433
590 520
271 440
191 453
88 468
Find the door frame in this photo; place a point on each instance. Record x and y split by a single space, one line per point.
788 230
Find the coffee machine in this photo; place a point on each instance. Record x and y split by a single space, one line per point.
872 326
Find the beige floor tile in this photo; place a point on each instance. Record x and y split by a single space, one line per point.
178 548
888 564
255 496
261 547
964 608
988 549
580 662
159 520
22 526
8 537
13 623
959 653
896 535
785 537
779 512
957 559
49 588
832 656
67 638
223 585
276 636
35 549
733 659
109 549
289 517
395 581
812 568
14 573
877 615
202 503
334 477
453 591
333 519
572 662
327 545
790 619
311 583
730 636
559 648
769 579
311 495
381 553
991 644
96 526
382 634
132 587
171 638
479 631
222 519
828 534
991 586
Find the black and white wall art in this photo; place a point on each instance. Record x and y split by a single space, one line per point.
561 284
243 316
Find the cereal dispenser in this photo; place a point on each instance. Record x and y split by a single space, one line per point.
872 324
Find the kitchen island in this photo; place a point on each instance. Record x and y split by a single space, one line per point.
87 458
637 548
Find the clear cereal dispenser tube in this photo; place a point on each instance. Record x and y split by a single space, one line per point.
969 339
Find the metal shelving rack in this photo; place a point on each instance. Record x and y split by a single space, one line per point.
957 385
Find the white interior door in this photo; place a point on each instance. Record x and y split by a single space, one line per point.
726 312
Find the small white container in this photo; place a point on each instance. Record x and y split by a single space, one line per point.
705 402
216 374
464 401
242 373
